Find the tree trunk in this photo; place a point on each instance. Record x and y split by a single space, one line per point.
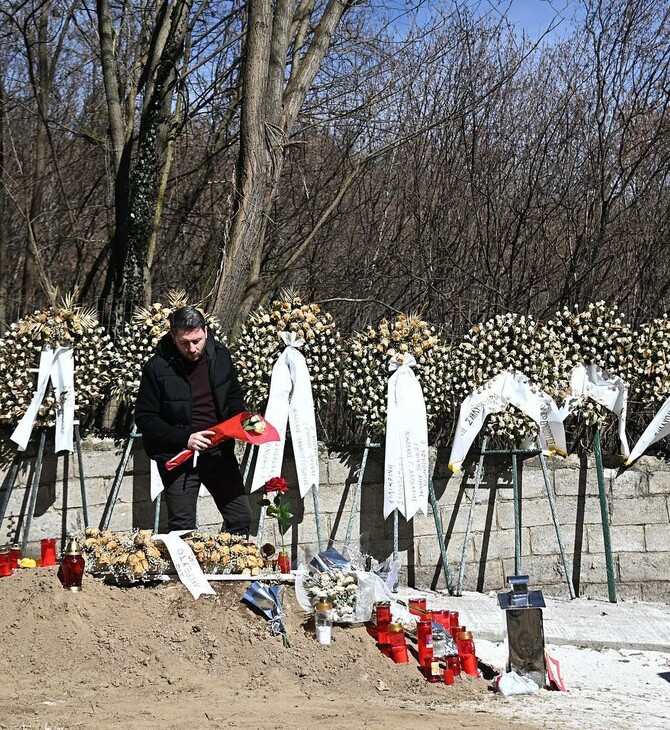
269 112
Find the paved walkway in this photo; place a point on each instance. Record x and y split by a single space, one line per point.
582 622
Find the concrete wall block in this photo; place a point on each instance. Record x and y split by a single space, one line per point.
332 499
424 525
343 468
543 539
97 490
459 518
657 538
572 510
97 463
630 483
593 568
542 569
600 591
659 482
568 482
500 544
644 511
625 538
656 591
427 550
425 579
16 500
447 491
533 512
642 567
207 512
140 515
493 576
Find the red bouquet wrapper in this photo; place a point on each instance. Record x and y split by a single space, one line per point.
230 429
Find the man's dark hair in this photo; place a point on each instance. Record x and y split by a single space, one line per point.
186 319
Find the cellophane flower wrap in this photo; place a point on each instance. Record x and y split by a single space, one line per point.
139 338
366 369
597 335
67 323
509 342
259 345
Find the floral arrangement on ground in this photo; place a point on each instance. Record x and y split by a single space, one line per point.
366 370
139 338
135 556
260 343
62 324
339 587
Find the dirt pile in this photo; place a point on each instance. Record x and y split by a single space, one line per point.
111 657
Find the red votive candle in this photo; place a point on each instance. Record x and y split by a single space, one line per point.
382 615
417 606
465 643
456 630
431 669
48 545
442 618
5 564
454 619
469 664
454 663
15 555
449 676
424 636
284 562
398 644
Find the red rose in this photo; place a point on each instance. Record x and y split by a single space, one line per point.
276 484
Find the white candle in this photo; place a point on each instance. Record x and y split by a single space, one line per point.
323 634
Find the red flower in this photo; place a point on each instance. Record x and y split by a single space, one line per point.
276 484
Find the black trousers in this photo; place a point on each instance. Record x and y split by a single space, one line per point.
220 474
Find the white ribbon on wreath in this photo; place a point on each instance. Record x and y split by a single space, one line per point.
56 365
406 463
507 388
610 391
655 431
290 401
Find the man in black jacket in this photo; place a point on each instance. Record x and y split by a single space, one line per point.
188 386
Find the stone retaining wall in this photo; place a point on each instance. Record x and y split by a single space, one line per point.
639 504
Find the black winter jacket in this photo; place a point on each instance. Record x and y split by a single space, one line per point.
163 410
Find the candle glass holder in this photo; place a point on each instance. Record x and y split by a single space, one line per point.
431 670
48 549
454 663
284 562
71 571
5 564
398 644
323 621
15 555
417 606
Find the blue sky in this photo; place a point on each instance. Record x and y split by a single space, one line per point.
535 16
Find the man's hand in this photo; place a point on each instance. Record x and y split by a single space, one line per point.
199 441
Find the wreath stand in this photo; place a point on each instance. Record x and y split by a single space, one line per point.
514 453
369 444
118 479
604 516
21 458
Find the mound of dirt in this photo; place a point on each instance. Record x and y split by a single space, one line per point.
133 658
